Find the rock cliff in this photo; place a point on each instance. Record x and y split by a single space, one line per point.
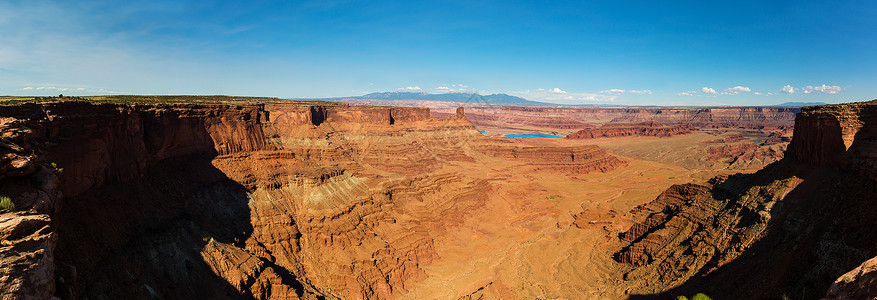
280 201
650 128
786 231
580 118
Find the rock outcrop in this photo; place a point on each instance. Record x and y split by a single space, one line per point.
587 117
280 201
742 155
570 160
27 263
858 283
650 128
786 231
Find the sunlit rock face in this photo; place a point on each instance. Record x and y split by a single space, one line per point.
248 201
788 230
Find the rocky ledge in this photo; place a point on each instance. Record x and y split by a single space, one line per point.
640 129
282 201
786 231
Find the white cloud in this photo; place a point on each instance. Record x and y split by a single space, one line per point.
756 93
452 88
788 89
688 93
557 95
612 91
410 88
707 90
738 89
64 89
824 89
642 92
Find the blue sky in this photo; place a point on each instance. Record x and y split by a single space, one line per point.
612 52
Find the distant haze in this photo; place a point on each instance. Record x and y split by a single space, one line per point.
470 99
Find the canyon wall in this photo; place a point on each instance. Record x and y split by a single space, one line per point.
650 128
580 118
786 231
240 201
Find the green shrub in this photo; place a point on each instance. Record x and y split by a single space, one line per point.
6 204
701 296
698 296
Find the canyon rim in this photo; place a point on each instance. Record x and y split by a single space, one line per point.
273 199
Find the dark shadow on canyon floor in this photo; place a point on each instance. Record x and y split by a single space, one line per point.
142 238
823 229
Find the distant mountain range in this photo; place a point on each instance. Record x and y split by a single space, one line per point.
481 100
801 104
492 99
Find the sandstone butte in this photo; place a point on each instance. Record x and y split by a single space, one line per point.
308 201
650 128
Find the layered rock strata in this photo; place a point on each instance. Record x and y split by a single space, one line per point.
786 231
640 129
579 118
241 201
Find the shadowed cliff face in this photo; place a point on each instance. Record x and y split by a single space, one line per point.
253 201
786 231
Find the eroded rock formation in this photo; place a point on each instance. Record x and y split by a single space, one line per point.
743 155
241 201
650 128
579 118
858 283
786 231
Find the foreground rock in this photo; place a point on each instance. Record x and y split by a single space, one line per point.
859 283
27 262
786 231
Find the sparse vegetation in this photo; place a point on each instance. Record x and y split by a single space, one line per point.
553 197
6 204
698 296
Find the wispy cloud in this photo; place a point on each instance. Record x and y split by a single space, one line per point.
612 92
410 88
707 90
556 95
640 92
65 89
788 89
823 89
688 93
452 88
